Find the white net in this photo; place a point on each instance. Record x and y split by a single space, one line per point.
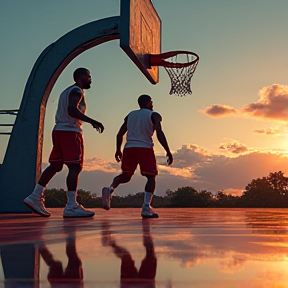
181 76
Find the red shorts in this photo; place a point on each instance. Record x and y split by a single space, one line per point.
68 147
145 157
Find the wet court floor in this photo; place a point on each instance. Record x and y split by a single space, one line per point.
183 248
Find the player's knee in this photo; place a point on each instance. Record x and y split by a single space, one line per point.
75 168
151 178
57 167
126 177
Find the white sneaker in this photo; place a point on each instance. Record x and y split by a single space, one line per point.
106 198
147 212
77 211
37 205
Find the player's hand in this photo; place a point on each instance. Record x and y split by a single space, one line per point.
118 156
169 158
98 126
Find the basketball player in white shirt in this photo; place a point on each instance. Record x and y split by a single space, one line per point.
140 126
68 147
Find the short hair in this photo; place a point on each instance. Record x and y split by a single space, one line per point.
78 73
143 100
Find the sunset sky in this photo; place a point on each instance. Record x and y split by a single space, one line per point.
231 130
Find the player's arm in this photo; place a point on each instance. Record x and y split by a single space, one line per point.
75 97
156 119
119 140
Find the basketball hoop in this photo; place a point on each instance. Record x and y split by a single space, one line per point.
180 73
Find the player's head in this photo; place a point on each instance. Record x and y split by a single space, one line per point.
145 101
82 78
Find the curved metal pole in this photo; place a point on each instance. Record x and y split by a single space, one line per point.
21 166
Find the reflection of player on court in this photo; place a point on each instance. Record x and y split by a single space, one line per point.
131 277
68 147
72 276
140 126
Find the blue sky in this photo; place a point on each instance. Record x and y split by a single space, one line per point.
231 117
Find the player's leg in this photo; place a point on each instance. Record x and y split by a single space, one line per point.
128 167
120 179
148 167
72 183
35 201
72 178
147 210
73 209
55 266
148 266
73 155
74 270
49 173
108 191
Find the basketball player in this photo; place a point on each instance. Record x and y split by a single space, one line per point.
140 126
68 147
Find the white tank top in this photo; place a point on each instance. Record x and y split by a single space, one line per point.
63 121
139 129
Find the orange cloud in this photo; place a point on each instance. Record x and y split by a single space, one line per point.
269 131
218 110
183 172
272 131
234 147
100 164
272 104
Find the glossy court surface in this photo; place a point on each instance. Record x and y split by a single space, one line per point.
183 248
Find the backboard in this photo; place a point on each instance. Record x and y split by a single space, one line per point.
140 34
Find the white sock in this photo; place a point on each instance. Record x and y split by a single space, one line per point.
71 198
38 191
148 197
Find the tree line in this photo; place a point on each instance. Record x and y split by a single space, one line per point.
266 192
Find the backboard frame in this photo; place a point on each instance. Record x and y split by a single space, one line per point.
140 35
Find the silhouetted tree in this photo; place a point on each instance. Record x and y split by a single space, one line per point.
183 197
278 182
226 200
190 197
55 198
268 191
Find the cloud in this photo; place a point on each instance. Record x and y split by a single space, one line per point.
218 110
269 131
237 172
97 163
234 147
277 131
233 262
272 104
